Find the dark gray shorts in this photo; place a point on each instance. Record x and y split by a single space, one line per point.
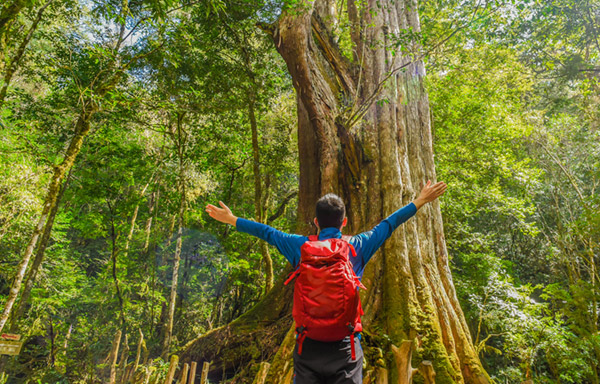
328 362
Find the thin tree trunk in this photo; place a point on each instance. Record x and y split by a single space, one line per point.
67 338
52 337
136 210
114 354
258 194
154 198
123 360
113 257
14 62
81 130
8 13
65 349
171 229
149 250
131 230
39 258
138 354
173 295
179 138
82 127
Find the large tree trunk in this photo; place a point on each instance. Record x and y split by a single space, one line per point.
371 129
364 133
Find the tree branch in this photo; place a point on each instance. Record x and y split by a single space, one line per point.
281 209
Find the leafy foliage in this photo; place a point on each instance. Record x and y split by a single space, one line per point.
514 91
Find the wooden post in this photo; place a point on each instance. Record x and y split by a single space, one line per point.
172 368
426 369
193 373
204 377
184 374
262 373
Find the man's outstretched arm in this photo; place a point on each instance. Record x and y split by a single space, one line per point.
287 244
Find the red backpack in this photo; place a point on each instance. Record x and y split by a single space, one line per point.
326 300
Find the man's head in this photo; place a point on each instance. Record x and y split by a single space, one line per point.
331 212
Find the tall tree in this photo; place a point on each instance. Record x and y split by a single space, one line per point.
376 155
364 132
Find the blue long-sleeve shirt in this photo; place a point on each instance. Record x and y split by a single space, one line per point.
365 244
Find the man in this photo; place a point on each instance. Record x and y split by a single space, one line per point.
330 362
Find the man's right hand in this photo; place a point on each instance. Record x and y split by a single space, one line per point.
222 214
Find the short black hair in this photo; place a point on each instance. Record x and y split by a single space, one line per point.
330 211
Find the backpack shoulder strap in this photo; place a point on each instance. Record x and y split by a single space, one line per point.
347 238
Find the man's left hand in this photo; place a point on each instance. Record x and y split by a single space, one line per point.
429 193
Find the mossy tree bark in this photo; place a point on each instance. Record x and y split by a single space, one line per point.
37 262
82 128
364 133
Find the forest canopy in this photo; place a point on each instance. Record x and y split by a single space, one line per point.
121 120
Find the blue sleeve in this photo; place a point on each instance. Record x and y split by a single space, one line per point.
288 245
367 243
